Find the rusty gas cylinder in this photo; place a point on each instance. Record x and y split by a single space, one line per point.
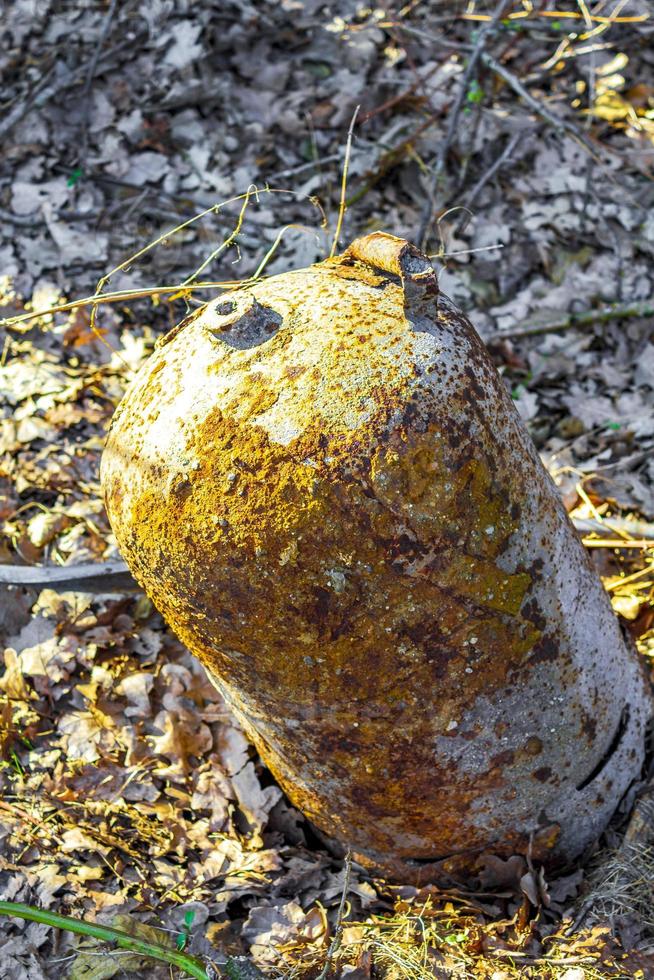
322 483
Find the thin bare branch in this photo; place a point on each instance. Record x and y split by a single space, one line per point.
346 164
453 121
556 122
570 320
97 577
93 65
497 164
338 927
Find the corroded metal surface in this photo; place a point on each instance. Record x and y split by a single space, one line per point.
323 484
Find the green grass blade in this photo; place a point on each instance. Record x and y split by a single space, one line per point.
193 966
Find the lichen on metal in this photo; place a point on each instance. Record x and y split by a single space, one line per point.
324 486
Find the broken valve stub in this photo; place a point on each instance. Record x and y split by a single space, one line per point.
392 255
326 489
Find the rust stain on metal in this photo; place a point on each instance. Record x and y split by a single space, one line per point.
325 488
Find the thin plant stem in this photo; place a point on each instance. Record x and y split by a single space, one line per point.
617 543
338 929
86 94
183 289
562 15
102 282
184 961
275 245
120 295
346 165
567 322
215 208
464 85
252 190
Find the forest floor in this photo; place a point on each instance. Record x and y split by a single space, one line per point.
519 151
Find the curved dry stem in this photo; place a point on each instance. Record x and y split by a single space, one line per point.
252 190
183 289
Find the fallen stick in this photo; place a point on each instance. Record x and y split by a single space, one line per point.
97 577
637 529
555 121
338 926
617 543
569 320
453 120
488 175
85 97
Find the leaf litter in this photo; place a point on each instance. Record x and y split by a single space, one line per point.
127 791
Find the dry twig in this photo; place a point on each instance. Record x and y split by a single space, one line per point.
464 86
585 319
556 122
338 927
488 175
346 164
97 577
93 65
